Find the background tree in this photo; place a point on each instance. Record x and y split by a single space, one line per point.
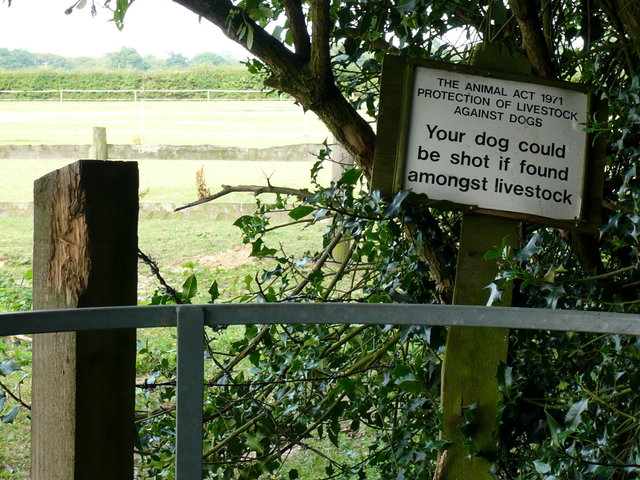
17 59
176 60
126 58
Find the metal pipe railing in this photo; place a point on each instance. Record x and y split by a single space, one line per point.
191 319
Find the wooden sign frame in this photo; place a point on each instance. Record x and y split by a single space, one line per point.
396 97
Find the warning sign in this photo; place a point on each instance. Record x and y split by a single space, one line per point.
496 144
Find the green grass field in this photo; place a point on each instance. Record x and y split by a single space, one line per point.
181 245
244 123
171 181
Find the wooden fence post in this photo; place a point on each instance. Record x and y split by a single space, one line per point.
99 149
473 355
85 255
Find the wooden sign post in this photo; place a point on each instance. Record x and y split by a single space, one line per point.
504 148
85 255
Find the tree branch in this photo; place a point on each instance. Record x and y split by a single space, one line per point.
320 40
255 189
379 43
533 36
298 27
230 19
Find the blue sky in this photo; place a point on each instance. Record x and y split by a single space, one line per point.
154 27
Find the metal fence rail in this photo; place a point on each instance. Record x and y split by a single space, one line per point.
191 319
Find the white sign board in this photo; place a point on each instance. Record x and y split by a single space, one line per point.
497 144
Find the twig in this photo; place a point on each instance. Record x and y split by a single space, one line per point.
321 261
172 383
11 394
155 271
255 189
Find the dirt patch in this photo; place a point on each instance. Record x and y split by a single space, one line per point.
235 257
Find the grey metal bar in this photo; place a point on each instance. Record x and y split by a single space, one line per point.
190 390
319 313
426 315
99 318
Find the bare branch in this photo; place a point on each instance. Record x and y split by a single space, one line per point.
156 273
298 27
16 398
255 189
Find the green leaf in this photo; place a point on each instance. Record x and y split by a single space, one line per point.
254 442
213 291
350 177
541 467
7 367
394 207
11 415
558 434
505 379
301 211
574 415
496 294
190 287
293 474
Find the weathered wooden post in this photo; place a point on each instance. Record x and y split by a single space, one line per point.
99 149
85 255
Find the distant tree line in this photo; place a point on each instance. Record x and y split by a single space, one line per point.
126 58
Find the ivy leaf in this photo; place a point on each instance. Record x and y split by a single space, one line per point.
301 211
7 367
190 287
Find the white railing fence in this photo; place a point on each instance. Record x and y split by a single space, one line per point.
190 321
136 95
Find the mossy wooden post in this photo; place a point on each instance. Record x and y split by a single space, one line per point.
472 355
85 255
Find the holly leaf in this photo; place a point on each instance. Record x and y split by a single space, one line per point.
11 415
574 415
190 287
350 177
7 367
496 294
301 211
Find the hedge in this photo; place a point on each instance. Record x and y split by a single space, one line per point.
217 78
